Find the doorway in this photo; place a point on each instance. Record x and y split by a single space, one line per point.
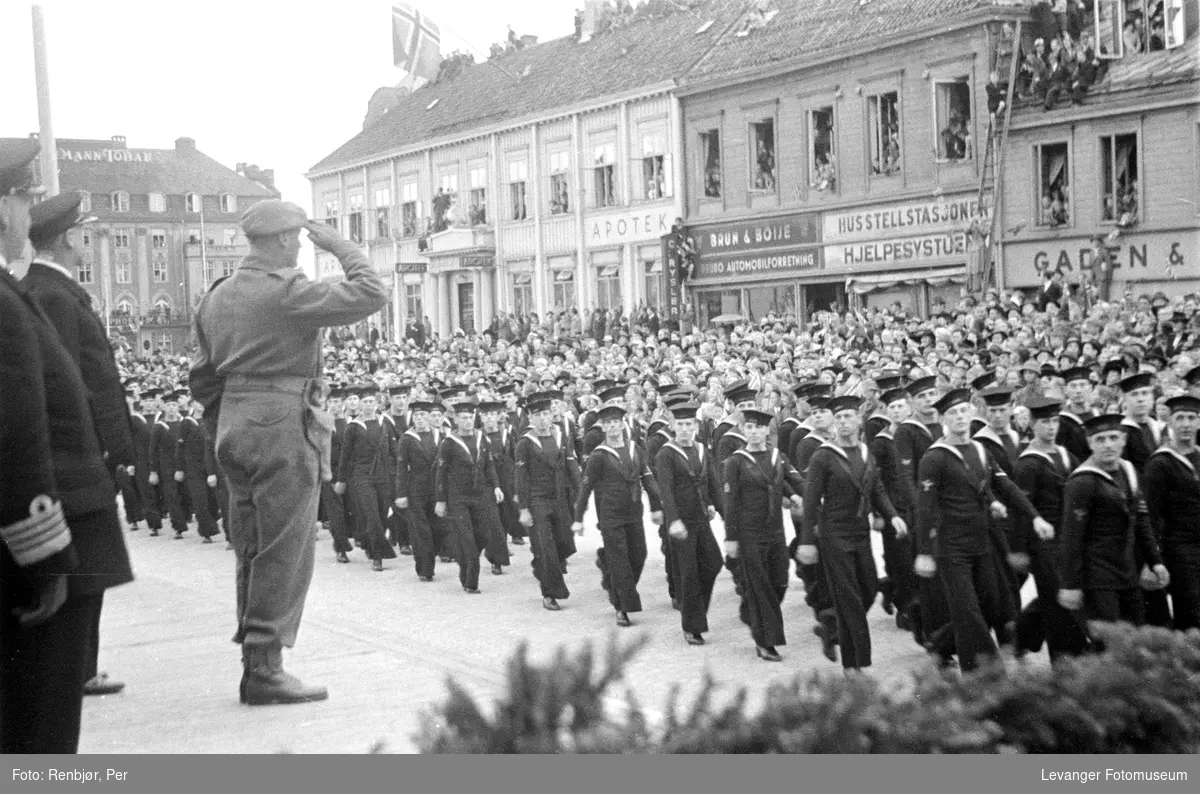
466 308
829 296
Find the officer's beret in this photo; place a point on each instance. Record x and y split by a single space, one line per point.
16 164
272 216
52 217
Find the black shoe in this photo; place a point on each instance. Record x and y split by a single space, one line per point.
693 638
885 590
623 619
550 604
425 578
903 622
154 533
376 565
446 559
497 570
406 550
675 603
472 590
178 535
101 685
207 540
518 541
828 642
767 654
341 557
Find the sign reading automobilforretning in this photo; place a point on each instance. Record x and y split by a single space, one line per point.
759 264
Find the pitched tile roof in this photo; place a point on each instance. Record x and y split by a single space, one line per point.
803 29
172 172
556 74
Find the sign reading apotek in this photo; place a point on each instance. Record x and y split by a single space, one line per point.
629 226
784 232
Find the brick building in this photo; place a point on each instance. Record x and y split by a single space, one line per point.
167 228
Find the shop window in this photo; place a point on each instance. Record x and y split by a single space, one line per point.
560 182
762 157
564 290
354 223
413 301
710 163
765 300
712 303
522 293
332 208
822 152
1120 197
124 267
883 133
518 178
604 180
656 182
158 202
1053 180
477 212
952 105
608 287
84 270
410 210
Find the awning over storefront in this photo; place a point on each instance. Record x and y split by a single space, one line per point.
938 277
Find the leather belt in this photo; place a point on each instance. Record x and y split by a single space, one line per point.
289 384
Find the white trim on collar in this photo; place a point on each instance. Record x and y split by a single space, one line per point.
53 266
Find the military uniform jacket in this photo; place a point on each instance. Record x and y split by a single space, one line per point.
1106 527
957 488
754 495
1172 490
883 450
502 447
416 463
592 438
546 474
192 457
618 477
655 442
82 333
730 442
688 489
839 495
465 467
1140 443
719 429
140 426
396 426
336 439
874 425
366 452
913 439
804 452
164 448
1072 435
798 435
1041 476
784 432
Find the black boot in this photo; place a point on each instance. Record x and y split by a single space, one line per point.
264 681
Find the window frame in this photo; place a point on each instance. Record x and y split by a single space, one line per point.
966 79
228 202
702 165
123 267
193 203
559 154
752 155
874 135
810 152
85 201
519 165
1037 149
86 266
477 193
1112 135
155 236
118 236
156 261
654 131
119 201
354 217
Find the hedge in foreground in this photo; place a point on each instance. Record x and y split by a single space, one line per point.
1141 695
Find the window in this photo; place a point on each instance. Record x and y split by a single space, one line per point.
355 222
518 176
445 201
158 238
952 106
228 203
193 203
1119 199
564 289
120 238
650 257
85 201
477 212
656 182
119 201
1053 181
710 163
383 213
522 302
1173 27
162 308
85 268
604 182
158 202
125 306
160 268
227 267
193 236
822 150
883 133
229 236
209 269
413 301
85 238
410 209
560 182
124 267
332 208
608 286
162 342
762 156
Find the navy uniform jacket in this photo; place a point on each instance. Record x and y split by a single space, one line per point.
82 333
913 439
592 438
618 483
192 451
164 448
1072 435
804 452
883 450
465 468
367 450
1172 490
730 442
839 495
1041 476
336 438
416 462
874 425
1106 528
396 426
720 429
754 495
956 489
1140 443
140 427
502 446
687 488
655 442
545 475
783 440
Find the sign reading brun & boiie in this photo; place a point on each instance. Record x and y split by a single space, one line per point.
788 231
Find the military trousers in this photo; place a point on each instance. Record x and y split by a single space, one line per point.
371 502
697 562
853 584
977 601
1183 563
763 579
550 551
335 511
425 531
621 561
475 524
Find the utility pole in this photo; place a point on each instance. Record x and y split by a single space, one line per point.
46 128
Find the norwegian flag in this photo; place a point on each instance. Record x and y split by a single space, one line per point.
416 43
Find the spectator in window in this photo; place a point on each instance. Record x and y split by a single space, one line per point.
1131 37
891 155
1034 76
1087 67
1062 75
1158 39
953 140
765 179
1128 204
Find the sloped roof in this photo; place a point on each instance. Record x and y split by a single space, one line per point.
168 171
1181 64
556 74
803 29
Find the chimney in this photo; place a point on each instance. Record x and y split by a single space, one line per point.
268 175
185 144
118 141
592 9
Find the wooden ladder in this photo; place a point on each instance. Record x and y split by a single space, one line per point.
991 175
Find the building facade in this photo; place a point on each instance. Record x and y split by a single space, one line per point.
1119 171
540 181
166 228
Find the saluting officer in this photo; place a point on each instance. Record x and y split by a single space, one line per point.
617 471
842 488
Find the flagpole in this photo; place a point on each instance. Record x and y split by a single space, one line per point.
46 128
